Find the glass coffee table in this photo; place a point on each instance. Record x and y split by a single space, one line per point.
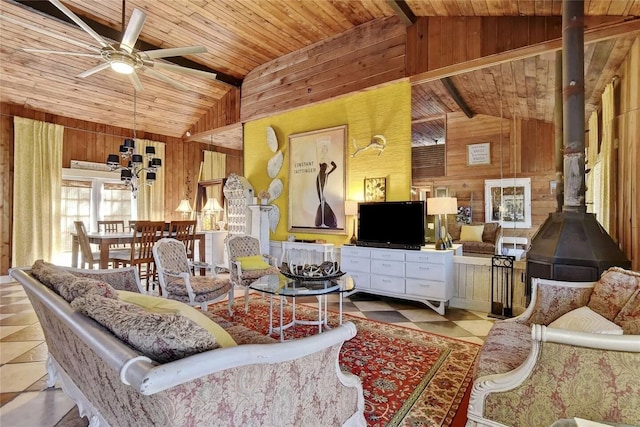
283 287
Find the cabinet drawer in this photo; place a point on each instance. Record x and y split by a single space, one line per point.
426 288
355 251
425 271
387 284
387 268
362 280
436 257
387 254
350 264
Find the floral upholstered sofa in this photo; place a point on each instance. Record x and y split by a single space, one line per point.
131 359
574 352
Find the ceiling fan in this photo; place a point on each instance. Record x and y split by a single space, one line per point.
123 57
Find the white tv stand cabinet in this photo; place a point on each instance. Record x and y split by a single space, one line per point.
424 275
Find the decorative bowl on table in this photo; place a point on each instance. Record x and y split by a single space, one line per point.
325 271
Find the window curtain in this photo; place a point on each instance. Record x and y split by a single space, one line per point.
214 166
606 159
150 199
36 191
592 158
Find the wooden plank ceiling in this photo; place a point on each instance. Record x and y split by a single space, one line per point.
239 36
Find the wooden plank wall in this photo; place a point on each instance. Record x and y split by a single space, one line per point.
369 55
92 142
225 112
627 219
530 148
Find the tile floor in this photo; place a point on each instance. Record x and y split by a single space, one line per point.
25 400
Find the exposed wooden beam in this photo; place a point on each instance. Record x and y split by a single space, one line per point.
49 10
592 35
451 88
403 11
428 119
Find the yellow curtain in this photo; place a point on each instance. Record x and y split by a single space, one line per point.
214 166
150 199
36 191
592 158
606 159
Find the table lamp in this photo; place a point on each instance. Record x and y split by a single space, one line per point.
441 206
185 208
351 209
212 207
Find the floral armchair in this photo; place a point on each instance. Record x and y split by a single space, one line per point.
247 264
539 367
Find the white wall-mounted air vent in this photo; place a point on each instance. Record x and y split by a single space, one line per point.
79 164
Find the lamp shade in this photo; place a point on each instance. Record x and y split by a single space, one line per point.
442 205
212 205
184 206
350 207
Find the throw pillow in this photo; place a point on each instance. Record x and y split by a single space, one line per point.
471 233
253 262
489 231
584 319
162 337
81 286
51 275
612 291
629 316
164 305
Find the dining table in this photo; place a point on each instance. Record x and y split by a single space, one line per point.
105 240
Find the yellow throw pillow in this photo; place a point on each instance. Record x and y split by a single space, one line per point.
253 262
471 233
164 305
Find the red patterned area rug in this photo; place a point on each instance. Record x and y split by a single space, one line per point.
409 377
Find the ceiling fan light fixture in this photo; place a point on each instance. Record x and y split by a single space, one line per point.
121 63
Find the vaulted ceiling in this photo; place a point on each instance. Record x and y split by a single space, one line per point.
239 36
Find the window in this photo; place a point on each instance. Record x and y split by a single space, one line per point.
75 206
90 196
508 201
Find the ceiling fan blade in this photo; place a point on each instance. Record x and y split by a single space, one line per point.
166 79
179 69
94 70
75 18
51 34
132 32
135 81
175 51
58 52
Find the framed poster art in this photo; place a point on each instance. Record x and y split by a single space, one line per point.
375 189
317 181
508 201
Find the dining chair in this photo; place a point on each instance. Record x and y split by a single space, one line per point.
185 231
111 226
140 255
178 283
244 248
87 256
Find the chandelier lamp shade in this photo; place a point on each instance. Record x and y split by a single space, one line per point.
135 162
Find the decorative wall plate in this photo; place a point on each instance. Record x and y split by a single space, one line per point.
275 189
274 218
272 139
275 164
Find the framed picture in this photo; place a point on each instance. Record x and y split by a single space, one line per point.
375 189
479 154
317 181
508 201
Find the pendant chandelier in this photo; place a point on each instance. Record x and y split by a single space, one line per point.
135 162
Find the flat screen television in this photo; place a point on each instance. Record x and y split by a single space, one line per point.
397 225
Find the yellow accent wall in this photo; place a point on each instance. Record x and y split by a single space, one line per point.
385 111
